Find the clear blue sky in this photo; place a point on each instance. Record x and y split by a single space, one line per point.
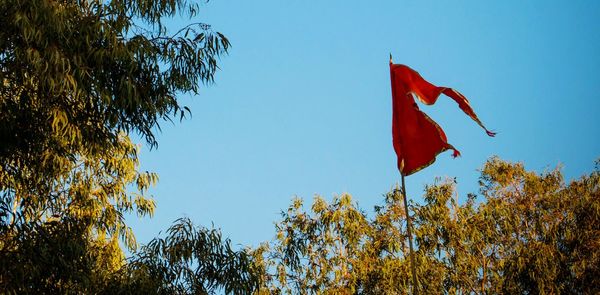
302 104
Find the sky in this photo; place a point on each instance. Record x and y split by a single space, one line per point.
301 106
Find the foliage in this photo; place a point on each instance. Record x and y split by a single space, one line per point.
62 256
94 188
529 234
77 77
70 238
75 73
188 260
56 257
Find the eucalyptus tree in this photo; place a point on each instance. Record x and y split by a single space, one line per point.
76 74
77 78
525 233
188 260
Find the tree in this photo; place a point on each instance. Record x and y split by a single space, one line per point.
188 260
77 77
78 225
75 74
62 256
56 257
527 233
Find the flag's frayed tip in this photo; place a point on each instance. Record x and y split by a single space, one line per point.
455 154
491 133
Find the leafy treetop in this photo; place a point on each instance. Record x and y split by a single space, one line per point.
74 73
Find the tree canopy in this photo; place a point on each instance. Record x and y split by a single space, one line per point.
75 74
77 78
189 260
525 233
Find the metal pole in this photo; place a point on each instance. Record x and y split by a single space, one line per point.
410 245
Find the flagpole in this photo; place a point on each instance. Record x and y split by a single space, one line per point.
415 287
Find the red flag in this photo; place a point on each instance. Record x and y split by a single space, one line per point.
418 139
